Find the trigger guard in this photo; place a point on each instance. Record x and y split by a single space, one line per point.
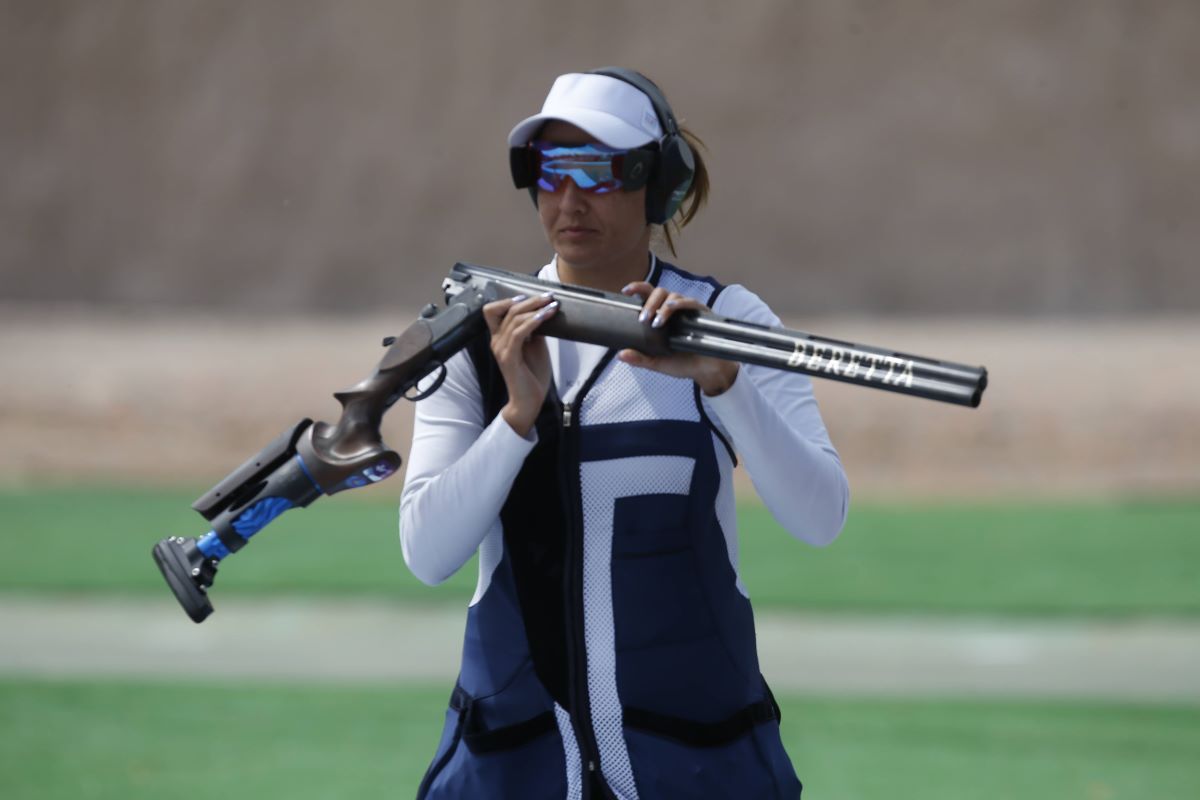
437 384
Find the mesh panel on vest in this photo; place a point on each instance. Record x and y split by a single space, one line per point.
603 483
571 749
630 394
692 287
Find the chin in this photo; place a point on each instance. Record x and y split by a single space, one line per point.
579 257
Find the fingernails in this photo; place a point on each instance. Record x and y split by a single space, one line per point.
645 315
547 294
546 310
519 298
628 288
659 319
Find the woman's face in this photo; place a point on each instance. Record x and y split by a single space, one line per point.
592 231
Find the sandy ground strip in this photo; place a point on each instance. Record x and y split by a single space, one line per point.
361 641
1081 408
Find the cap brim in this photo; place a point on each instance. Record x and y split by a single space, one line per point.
606 128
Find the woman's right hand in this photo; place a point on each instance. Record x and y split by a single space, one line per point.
522 355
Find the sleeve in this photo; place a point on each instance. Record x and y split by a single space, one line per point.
459 474
772 420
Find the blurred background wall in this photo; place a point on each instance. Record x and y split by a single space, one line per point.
1016 157
211 211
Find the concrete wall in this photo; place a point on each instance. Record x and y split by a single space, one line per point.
1024 157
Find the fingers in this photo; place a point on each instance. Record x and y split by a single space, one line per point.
524 323
635 358
494 313
713 375
638 288
513 321
659 303
521 355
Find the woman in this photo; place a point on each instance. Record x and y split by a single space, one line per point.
609 647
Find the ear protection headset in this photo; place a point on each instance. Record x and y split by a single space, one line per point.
671 173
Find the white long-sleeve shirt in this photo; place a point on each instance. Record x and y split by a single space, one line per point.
460 471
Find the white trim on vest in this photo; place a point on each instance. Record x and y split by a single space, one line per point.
605 482
571 751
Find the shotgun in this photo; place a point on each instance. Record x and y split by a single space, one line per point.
311 459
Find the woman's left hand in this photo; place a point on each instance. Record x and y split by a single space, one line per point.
712 375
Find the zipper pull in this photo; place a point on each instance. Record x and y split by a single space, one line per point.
566 415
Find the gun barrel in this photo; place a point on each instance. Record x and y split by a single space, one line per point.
609 319
905 375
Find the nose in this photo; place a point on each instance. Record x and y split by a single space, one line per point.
573 198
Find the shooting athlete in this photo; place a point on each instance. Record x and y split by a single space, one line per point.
610 647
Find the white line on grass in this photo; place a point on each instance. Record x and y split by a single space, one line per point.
365 641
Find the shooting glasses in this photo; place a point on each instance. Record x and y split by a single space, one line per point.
594 168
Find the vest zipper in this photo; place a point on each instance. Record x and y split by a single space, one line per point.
592 773
573 588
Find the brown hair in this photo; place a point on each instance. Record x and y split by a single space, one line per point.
697 193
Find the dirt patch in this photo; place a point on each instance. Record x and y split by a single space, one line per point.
1081 408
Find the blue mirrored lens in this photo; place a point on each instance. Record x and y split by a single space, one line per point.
592 167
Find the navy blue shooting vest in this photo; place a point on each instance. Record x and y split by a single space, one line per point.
612 653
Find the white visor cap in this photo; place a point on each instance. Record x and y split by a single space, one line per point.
616 113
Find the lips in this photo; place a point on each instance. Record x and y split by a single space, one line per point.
575 234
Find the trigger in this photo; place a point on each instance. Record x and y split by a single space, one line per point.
436 385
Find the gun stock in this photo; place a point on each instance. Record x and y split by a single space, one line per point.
313 459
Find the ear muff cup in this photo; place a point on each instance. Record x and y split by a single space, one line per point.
676 167
520 163
671 181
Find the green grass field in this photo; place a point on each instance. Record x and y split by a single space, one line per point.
119 739
1100 559
96 741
